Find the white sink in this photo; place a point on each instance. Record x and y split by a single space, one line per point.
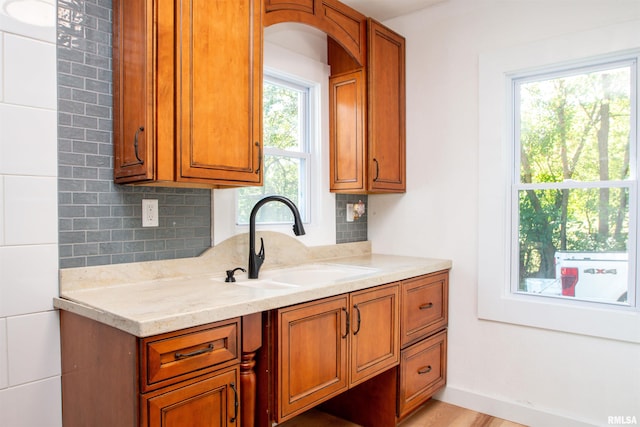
316 274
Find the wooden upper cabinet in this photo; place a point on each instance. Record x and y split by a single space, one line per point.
386 109
347 100
382 166
188 92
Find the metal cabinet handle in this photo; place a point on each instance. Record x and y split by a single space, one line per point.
259 157
347 329
135 145
207 349
358 310
424 370
377 169
235 403
426 306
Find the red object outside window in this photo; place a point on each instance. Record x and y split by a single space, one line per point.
569 276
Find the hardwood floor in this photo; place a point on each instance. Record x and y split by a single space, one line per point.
439 414
433 414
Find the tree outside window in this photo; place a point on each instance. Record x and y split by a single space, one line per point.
574 187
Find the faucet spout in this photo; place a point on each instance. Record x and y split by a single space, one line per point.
256 259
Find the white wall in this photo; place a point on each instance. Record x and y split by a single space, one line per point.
29 334
533 376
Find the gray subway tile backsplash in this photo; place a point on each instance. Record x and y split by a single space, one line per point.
99 221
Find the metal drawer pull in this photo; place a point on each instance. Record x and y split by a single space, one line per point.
425 370
207 349
236 403
426 306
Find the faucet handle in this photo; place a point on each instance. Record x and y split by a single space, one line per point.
261 251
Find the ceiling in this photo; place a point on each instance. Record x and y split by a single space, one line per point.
386 9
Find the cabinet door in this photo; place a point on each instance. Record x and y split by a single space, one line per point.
133 106
346 138
375 322
209 402
386 112
219 84
312 354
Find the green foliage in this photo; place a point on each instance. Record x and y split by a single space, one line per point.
573 129
282 133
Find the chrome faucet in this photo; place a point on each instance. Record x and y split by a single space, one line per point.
256 260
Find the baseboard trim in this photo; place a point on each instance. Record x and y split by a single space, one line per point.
512 411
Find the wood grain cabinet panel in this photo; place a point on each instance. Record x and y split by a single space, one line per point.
375 321
188 92
422 372
423 363
379 125
184 378
425 306
324 347
212 401
312 354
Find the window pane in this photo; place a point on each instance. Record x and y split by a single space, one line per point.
575 127
282 176
283 117
573 243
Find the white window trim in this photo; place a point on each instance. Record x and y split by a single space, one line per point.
321 230
496 302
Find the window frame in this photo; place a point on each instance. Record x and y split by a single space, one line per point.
515 80
321 230
496 302
305 195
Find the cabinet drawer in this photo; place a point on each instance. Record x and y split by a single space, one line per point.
176 356
424 306
423 371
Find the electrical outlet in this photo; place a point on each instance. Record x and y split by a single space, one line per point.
149 213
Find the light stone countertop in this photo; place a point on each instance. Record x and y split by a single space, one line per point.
155 297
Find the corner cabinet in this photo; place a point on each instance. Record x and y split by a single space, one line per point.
187 92
189 377
367 115
328 346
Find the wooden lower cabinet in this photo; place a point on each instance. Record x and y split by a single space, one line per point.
190 377
422 372
209 401
372 328
325 347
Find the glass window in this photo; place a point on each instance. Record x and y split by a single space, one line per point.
286 154
574 197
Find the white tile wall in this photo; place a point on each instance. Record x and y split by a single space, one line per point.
4 370
36 404
33 75
30 391
31 210
39 19
23 288
33 347
28 143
